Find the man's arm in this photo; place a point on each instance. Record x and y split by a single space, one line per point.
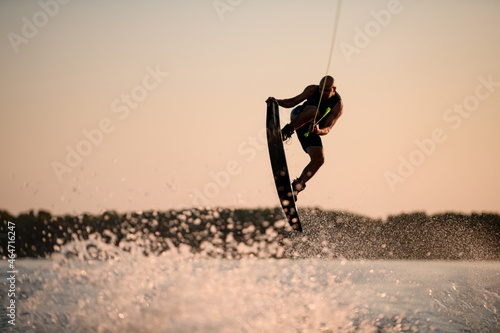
291 102
331 119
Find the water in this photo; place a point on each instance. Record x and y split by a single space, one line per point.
246 271
175 292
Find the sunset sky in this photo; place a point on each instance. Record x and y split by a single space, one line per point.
156 104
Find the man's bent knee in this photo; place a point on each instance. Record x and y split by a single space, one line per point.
319 161
317 156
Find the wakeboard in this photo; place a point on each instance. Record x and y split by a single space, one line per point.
279 166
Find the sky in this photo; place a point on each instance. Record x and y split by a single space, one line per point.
156 104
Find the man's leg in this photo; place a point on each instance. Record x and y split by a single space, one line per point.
303 117
317 160
300 116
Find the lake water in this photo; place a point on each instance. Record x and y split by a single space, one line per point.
179 292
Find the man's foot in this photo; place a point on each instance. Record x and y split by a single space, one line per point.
297 186
287 132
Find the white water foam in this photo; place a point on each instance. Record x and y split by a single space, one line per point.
179 292
135 276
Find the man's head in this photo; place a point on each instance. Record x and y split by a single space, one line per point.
329 85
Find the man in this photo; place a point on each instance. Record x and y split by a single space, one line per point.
312 123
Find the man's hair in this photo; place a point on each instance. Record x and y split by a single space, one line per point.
329 81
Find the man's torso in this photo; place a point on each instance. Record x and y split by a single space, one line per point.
314 100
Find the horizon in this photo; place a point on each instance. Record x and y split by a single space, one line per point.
159 106
306 210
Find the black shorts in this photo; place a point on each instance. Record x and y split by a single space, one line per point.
312 140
